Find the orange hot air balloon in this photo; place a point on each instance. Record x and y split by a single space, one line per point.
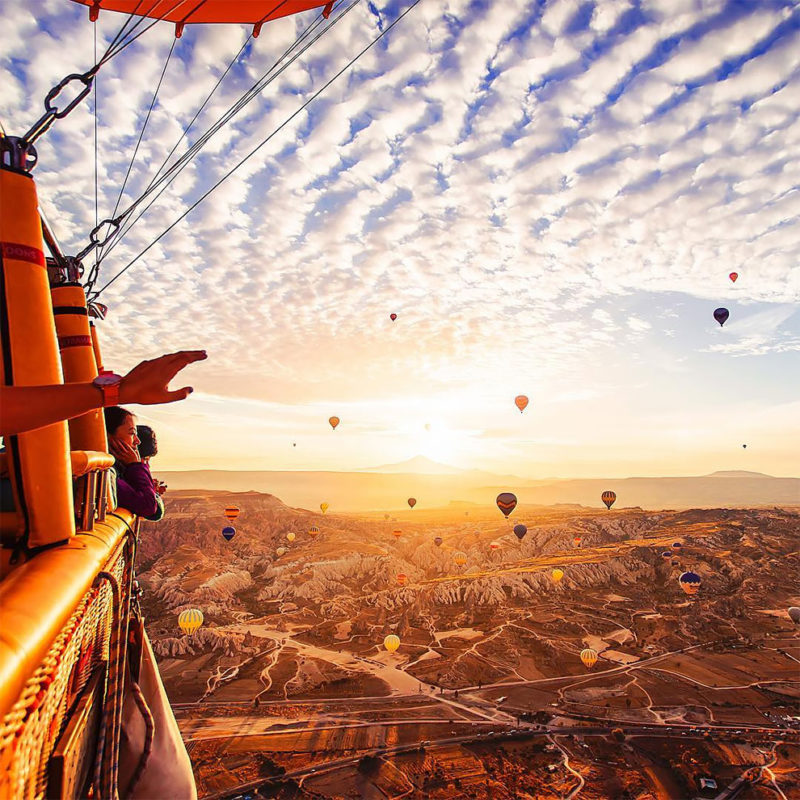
521 402
576 541
412 501
494 545
231 512
313 530
733 276
402 578
589 657
557 575
397 533
608 498
460 558
391 642
334 421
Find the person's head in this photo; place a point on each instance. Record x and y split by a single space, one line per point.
148 446
121 424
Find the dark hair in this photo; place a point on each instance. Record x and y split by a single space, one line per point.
148 444
115 416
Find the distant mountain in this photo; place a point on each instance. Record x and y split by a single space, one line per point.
419 465
737 473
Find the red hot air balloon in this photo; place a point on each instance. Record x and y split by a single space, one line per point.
721 315
506 502
392 317
733 276
412 501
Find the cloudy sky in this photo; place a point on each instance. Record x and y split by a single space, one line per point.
549 195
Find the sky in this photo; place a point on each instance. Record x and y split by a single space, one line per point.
549 195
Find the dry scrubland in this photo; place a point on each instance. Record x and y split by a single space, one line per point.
288 673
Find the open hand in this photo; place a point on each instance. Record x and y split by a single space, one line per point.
148 382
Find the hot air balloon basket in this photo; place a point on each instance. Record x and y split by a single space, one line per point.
49 737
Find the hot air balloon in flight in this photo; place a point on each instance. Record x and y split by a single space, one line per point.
721 315
733 276
313 530
557 575
744 446
521 402
228 533
412 501
290 537
520 531
506 502
391 642
386 516
666 554
690 583
576 542
608 498
281 551
494 545
392 317
794 615
324 507
589 657
677 545
397 533
460 558
231 512
402 578
438 541
190 620
334 421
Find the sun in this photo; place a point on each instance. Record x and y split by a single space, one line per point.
435 441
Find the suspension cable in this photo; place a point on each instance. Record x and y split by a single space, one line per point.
160 183
258 147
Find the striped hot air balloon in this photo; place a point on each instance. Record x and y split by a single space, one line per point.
608 498
589 657
313 530
460 558
190 620
402 578
231 512
397 533
391 642
506 502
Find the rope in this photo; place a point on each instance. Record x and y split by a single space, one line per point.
149 735
259 146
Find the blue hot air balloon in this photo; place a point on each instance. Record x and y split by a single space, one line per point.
721 315
228 532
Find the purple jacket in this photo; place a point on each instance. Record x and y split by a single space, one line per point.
135 490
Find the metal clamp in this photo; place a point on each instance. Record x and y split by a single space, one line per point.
94 241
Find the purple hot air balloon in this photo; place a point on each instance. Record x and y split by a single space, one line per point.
520 531
721 315
228 532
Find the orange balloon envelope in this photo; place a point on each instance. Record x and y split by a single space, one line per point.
397 533
733 276
391 642
231 512
521 402
334 421
460 558
313 530
254 12
402 578
412 501
589 657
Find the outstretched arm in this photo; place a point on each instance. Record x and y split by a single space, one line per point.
24 408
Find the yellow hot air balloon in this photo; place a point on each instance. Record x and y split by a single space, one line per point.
557 574
589 657
391 642
334 421
290 537
190 620
281 551
521 402
460 558
231 512
313 530
324 507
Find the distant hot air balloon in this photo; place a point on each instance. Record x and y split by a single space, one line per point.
733 276
391 642
324 507
438 541
557 575
677 545
386 516
392 317
397 533
460 558
666 554
675 562
412 501
744 446
281 551
313 530
794 615
231 512
576 542
608 498
228 533
721 315
334 421
190 620
402 578
589 657
520 531
690 583
494 545
506 502
291 537
521 402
